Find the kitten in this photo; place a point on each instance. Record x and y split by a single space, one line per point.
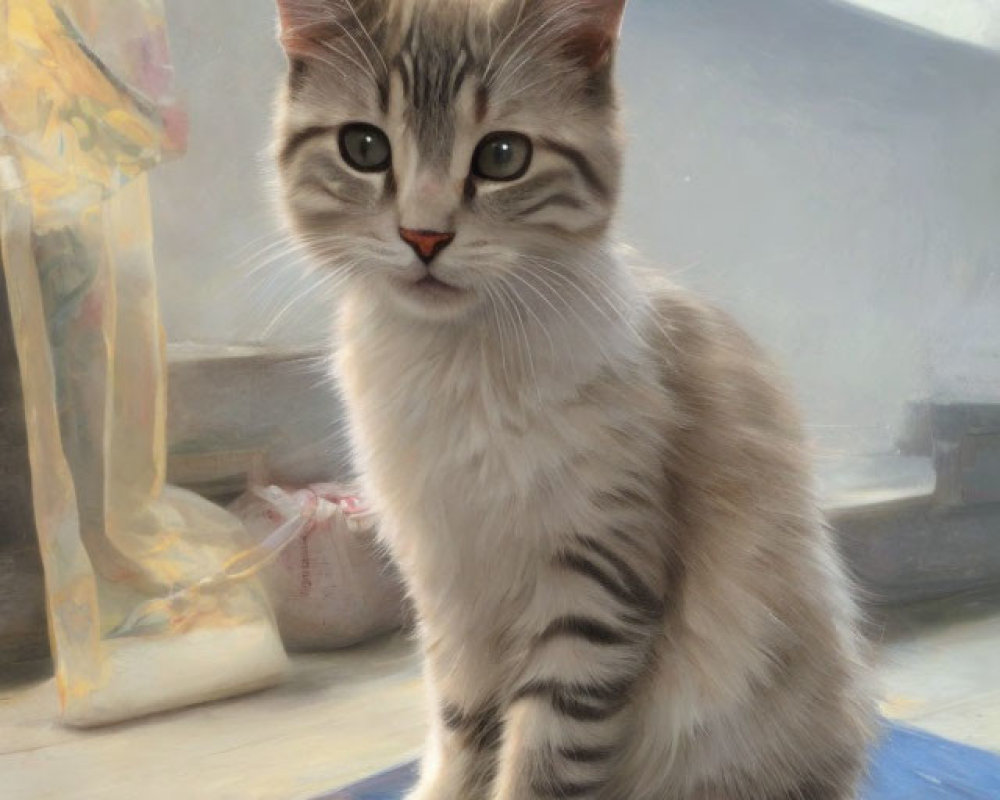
595 490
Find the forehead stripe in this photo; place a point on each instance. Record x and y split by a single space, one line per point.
403 66
482 102
459 72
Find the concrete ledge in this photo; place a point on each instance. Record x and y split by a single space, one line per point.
237 412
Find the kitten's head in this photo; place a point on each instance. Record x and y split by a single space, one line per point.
447 152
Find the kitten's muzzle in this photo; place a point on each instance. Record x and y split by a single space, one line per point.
426 244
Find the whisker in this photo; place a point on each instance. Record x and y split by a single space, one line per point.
494 306
522 332
585 328
327 285
618 312
541 325
367 35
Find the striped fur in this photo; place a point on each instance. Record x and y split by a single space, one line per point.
592 482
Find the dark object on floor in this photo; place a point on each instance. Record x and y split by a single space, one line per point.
23 634
964 440
908 765
942 539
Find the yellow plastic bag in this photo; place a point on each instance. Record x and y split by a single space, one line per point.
85 110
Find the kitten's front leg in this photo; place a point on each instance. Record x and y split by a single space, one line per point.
451 770
460 760
567 718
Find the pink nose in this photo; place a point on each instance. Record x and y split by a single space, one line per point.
426 244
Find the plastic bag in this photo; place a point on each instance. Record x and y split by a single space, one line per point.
331 584
85 110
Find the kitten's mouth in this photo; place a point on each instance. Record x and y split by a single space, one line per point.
432 296
435 287
431 283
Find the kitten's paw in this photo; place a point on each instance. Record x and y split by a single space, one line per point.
436 788
431 792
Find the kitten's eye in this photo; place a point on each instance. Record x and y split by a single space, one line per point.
502 157
365 148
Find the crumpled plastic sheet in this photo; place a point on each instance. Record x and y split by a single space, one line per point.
280 517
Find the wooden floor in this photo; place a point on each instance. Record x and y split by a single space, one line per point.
340 717
336 719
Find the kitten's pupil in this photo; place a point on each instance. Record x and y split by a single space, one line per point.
365 146
503 153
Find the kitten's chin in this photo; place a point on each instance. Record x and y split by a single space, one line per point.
431 298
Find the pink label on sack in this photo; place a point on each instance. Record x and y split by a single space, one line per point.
332 585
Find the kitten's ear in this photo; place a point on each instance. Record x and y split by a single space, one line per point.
593 28
297 23
304 24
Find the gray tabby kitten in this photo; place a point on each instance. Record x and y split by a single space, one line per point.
595 491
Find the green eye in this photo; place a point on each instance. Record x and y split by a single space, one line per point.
502 157
365 148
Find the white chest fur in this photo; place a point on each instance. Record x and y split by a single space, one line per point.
480 468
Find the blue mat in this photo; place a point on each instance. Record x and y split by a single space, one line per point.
908 765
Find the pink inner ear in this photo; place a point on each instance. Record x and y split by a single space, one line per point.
293 13
594 37
302 23
592 47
